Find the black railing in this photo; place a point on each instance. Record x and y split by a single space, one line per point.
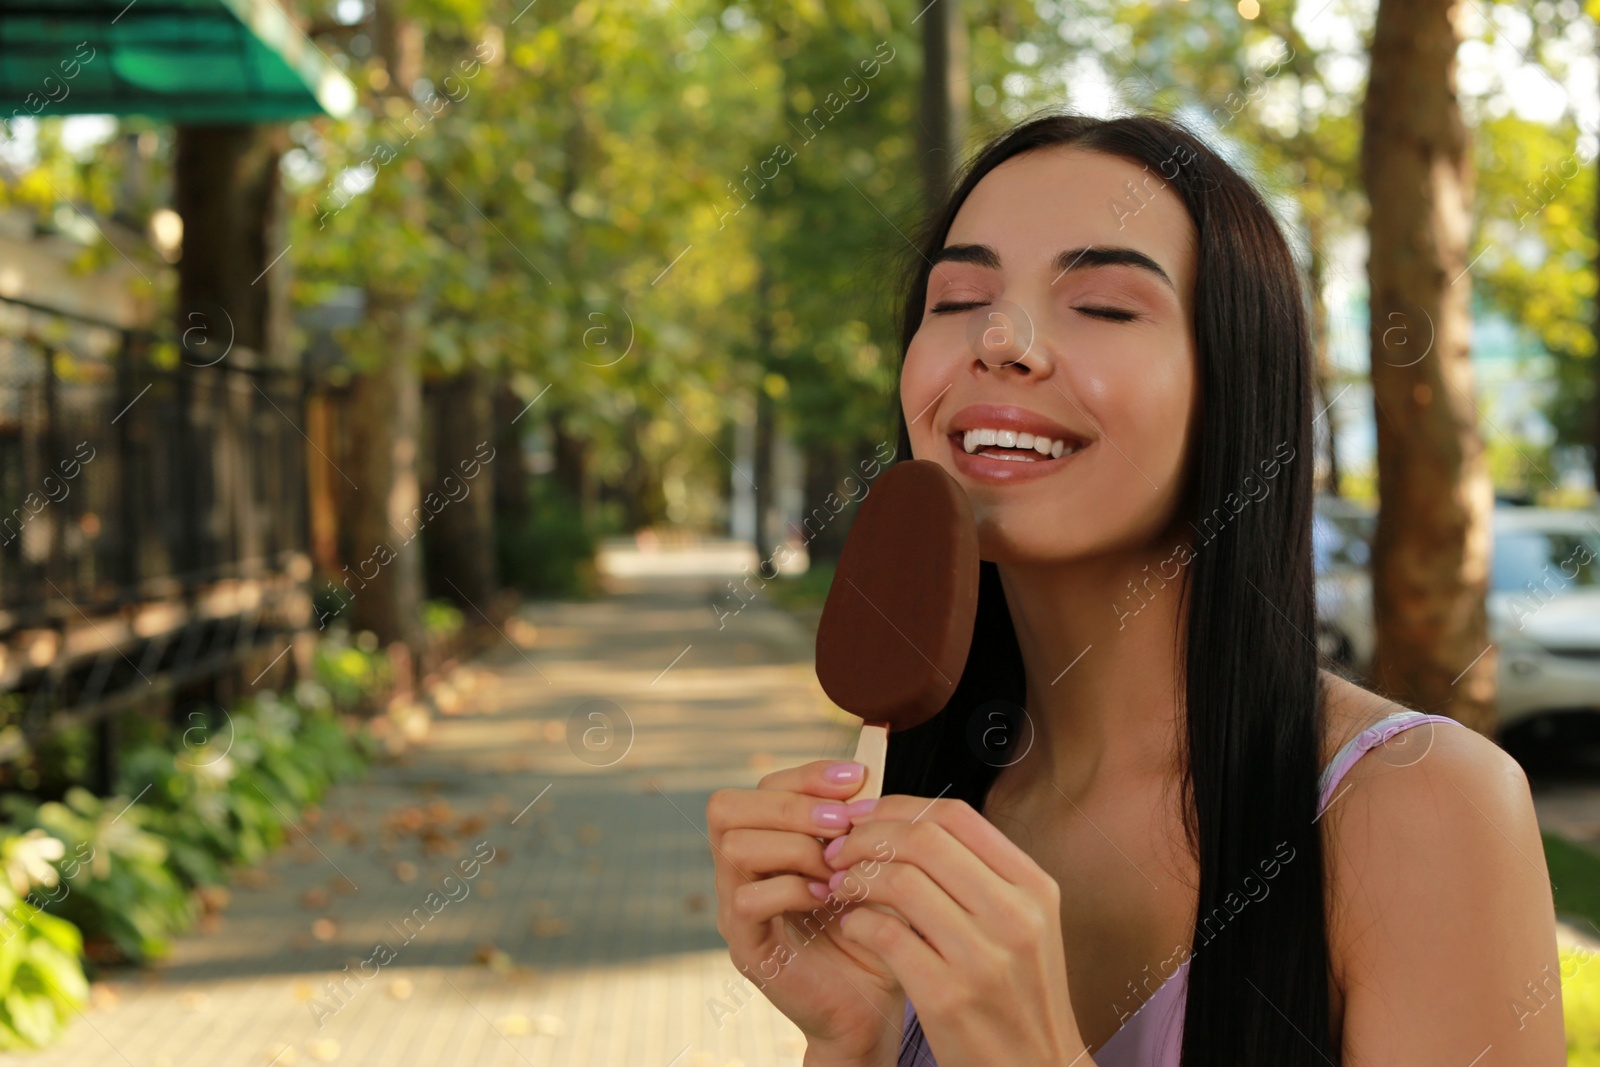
153 520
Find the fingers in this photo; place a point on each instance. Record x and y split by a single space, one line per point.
807 799
910 894
958 873
906 954
764 809
834 779
963 823
756 904
759 853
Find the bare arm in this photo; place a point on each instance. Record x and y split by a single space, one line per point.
1441 909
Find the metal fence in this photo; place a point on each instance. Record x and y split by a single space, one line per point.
152 518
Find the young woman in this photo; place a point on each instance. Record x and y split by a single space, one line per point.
1194 846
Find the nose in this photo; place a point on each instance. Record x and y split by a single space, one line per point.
1002 337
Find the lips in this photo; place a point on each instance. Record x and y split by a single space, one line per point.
1003 443
1012 418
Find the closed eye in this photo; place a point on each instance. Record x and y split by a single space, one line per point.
956 305
1110 314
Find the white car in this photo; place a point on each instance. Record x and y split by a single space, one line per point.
1544 610
1341 535
1543 603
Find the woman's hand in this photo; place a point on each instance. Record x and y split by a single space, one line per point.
988 975
782 926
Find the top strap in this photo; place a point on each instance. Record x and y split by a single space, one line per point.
1368 739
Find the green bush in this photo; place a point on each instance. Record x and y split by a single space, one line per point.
228 802
116 873
441 620
122 874
350 671
40 974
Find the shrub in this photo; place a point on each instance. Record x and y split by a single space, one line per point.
40 973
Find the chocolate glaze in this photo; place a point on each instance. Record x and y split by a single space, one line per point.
897 624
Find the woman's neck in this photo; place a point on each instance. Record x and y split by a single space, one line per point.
1099 640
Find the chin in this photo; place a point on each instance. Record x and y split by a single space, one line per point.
1048 545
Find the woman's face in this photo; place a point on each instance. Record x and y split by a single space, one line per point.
1060 310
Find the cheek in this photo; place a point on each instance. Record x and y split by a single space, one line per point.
923 377
1143 408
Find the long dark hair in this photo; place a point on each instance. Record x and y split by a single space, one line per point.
1258 982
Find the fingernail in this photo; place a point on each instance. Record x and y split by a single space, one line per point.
838 876
830 815
860 807
831 853
819 890
841 773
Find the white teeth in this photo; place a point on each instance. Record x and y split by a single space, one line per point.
972 440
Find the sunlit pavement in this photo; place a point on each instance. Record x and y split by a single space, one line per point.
589 938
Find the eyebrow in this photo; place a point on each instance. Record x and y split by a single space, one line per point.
1072 259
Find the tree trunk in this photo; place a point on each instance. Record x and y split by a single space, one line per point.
225 187
1318 271
460 540
385 415
1431 553
942 127
232 295
511 477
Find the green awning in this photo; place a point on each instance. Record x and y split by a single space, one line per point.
185 61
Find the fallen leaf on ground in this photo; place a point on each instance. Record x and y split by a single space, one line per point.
491 957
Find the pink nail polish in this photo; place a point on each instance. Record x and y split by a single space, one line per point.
831 853
861 807
830 815
819 890
838 876
842 773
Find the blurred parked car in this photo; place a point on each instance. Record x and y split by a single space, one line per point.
1543 603
1341 536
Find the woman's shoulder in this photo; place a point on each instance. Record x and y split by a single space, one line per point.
1348 709
1435 864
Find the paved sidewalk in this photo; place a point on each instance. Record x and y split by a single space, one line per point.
588 939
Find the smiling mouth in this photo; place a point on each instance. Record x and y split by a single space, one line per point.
1013 446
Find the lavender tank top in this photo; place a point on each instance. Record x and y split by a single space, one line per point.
1152 1035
